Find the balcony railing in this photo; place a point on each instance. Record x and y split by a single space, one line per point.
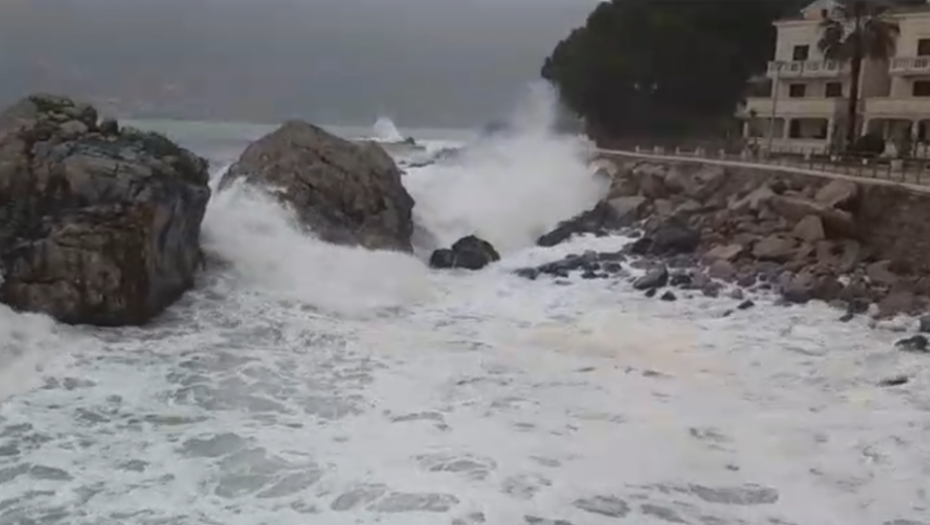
910 66
807 68
790 107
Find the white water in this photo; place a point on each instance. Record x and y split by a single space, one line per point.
304 383
386 131
510 190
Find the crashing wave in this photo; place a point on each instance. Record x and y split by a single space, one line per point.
386 131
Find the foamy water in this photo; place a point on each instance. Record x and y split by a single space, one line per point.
385 130
302 383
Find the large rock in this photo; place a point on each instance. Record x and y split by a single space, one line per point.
346 193
774 248
838 193
97 226
470 253
837 222
669 238
809 229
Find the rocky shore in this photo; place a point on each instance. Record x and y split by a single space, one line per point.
101 225
98 224
855 245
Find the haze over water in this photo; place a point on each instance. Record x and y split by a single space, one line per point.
424 63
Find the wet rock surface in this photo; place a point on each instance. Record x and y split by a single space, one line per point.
345 192
470 253
590 264
607 216
805 238
98 225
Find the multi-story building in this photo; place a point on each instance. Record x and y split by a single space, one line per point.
805 102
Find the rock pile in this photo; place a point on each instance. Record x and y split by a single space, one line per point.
591 264
98 225
801 236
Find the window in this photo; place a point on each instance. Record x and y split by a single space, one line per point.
833 90
923 47
824 13
798 90
921 88
801 52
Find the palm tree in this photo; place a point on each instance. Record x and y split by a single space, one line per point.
856 30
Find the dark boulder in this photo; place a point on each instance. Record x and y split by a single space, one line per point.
442 258
674 238
345 192
470 253
590 221
606 216
97 225
917 343
668 239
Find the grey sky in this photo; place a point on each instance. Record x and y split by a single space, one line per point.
424 62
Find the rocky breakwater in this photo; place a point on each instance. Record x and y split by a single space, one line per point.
343 192
859 245
98 225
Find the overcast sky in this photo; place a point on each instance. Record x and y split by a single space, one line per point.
423 62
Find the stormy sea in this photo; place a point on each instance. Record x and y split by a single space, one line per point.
306 383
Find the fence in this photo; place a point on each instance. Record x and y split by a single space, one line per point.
913 170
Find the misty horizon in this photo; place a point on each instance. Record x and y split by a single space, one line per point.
438 63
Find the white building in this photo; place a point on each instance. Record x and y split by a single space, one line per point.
806 107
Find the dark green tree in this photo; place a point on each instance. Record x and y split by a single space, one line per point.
663 67
854 31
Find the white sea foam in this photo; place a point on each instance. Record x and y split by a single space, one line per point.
510 189
386 131
265 249
265 397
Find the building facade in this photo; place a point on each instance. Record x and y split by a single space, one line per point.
802 104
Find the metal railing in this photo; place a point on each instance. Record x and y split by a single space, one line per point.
910 65
913 170
801 68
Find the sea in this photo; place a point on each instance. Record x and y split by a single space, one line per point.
302 383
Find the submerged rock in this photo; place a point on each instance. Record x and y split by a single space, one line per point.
470 253
916 343
97 225
345 192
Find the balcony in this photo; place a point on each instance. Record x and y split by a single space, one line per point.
908 66
904 108
795 107
807 69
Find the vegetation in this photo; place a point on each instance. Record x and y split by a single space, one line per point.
854 31
666 68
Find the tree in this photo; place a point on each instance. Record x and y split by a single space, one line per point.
856 30
663 67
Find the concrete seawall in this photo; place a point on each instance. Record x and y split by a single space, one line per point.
892 218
